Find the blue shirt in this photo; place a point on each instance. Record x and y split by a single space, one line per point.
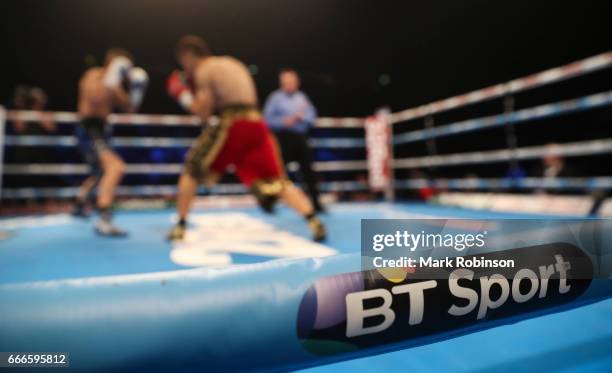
281 104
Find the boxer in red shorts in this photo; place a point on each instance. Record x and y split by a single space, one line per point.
241 138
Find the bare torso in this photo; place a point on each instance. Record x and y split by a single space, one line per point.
228 80
95 100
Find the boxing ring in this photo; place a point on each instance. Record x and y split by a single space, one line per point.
229 298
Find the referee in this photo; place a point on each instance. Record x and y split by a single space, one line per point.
290 114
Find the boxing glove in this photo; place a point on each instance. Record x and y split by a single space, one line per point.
139 80
117 71
178 89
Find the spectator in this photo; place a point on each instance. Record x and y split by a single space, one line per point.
553 164
552 168
31 98
35 99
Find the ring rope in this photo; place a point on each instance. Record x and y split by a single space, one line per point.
573 149
156 142
469 184
158 119
550 76
603 182
164 190
554 75
482 184
147 168
537 112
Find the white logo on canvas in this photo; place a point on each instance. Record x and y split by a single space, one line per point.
212 238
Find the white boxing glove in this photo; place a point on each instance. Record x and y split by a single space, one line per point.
117 70
139 80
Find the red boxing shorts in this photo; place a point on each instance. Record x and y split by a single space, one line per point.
241 139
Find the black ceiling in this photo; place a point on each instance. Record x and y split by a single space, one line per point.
428 49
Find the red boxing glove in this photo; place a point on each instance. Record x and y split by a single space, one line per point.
177 88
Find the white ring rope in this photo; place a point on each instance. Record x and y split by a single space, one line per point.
602 182
519 116
150 168
158 142
574 149
159 119
335 186
550 76
164 190
557 74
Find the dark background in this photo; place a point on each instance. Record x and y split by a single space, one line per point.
429 49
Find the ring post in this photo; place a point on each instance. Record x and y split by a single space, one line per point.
511 138
2 128
390 192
